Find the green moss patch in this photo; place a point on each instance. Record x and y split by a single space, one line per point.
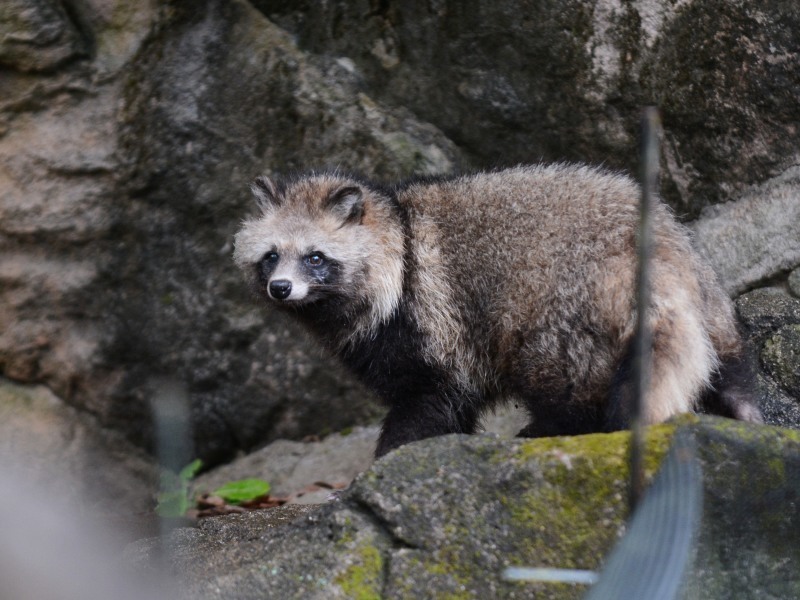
363 579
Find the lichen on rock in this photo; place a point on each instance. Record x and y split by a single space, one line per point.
444 517
781 358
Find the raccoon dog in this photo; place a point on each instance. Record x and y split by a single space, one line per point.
444 295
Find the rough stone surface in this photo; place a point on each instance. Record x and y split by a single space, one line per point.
770 318
522 81
764 311
749 540
38 35
781 358
445 516
756 237
290 466
777 407
328 554
53 447
793 282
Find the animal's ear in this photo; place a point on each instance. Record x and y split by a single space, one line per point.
266 194
347 203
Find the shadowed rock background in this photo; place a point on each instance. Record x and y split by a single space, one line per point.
129 132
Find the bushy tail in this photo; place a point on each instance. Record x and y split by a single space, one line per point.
688 373
733 393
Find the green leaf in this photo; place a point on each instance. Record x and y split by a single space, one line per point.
189 471
174 499
242 490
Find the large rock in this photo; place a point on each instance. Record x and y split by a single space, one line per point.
771 318
748 545
751 240
781 358
445 516
36 35
292 467
764 311
793 282
67 457
518 82
60 181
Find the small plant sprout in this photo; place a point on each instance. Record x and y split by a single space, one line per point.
173 500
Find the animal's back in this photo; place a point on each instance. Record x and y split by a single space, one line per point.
540 263
539 266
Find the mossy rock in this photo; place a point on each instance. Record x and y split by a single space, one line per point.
461 509
781 358
748 545
442 518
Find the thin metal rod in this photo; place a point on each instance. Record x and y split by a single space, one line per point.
643 345
651 560
548 575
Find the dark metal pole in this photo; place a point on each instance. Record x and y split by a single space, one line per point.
643 345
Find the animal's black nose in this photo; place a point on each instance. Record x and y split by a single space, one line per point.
280 289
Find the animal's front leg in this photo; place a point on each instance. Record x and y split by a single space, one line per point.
424 417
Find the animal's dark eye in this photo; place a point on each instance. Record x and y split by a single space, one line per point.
315 259
271 257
